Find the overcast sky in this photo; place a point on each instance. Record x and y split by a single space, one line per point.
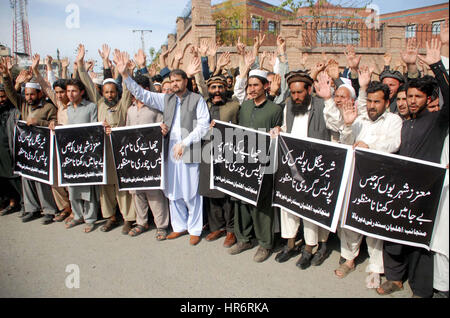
112 22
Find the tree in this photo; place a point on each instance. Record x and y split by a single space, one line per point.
229 22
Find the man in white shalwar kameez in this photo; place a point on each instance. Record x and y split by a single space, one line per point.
186 119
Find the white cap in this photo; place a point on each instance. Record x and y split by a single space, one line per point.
259 73
33 85
109 80
157 83
348 85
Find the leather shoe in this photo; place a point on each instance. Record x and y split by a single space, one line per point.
229 240
262 254
239 247
10 209
47 219
175 235
29 216
319 257
305 261
215 235
194 239
286 254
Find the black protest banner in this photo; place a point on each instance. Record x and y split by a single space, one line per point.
311 178
33 156
138 156
394 198
81 154
239 160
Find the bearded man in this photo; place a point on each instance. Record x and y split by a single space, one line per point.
220 212
303 117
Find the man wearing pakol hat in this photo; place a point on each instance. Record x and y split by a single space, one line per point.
35 111
393 79
261 114
112 110
303 117
220 206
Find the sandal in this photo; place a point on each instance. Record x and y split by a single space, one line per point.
388 287
61 216
110 224
138 229
344 269
161 234
69 218
73 223
89 227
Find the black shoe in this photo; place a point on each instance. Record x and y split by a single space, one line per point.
47 219
286 254
10 209
319 257
29 216
305 261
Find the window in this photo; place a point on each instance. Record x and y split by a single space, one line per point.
410 31
256 23
436 27
272 27
338 36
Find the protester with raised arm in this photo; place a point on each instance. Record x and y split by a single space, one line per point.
58 96
422 137
186 119
37 196
303 117
112 110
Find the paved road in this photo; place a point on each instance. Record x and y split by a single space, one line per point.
33 260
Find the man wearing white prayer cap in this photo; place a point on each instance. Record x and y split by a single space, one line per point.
112 109
37 196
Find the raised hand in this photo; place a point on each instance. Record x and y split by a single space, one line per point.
259 39
204 47
24 77
275 85
323 86
104 52
116 56
249 59
65 62
333 69
48 60
364 76
140 58
281 45
90 65
240 47
152 70
353 60
35 62
194 67
122 63
80 55
212 51
433 52
224 60
349 112
409 56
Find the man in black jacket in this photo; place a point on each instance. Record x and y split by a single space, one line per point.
422 138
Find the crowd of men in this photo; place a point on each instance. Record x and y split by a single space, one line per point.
405 113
